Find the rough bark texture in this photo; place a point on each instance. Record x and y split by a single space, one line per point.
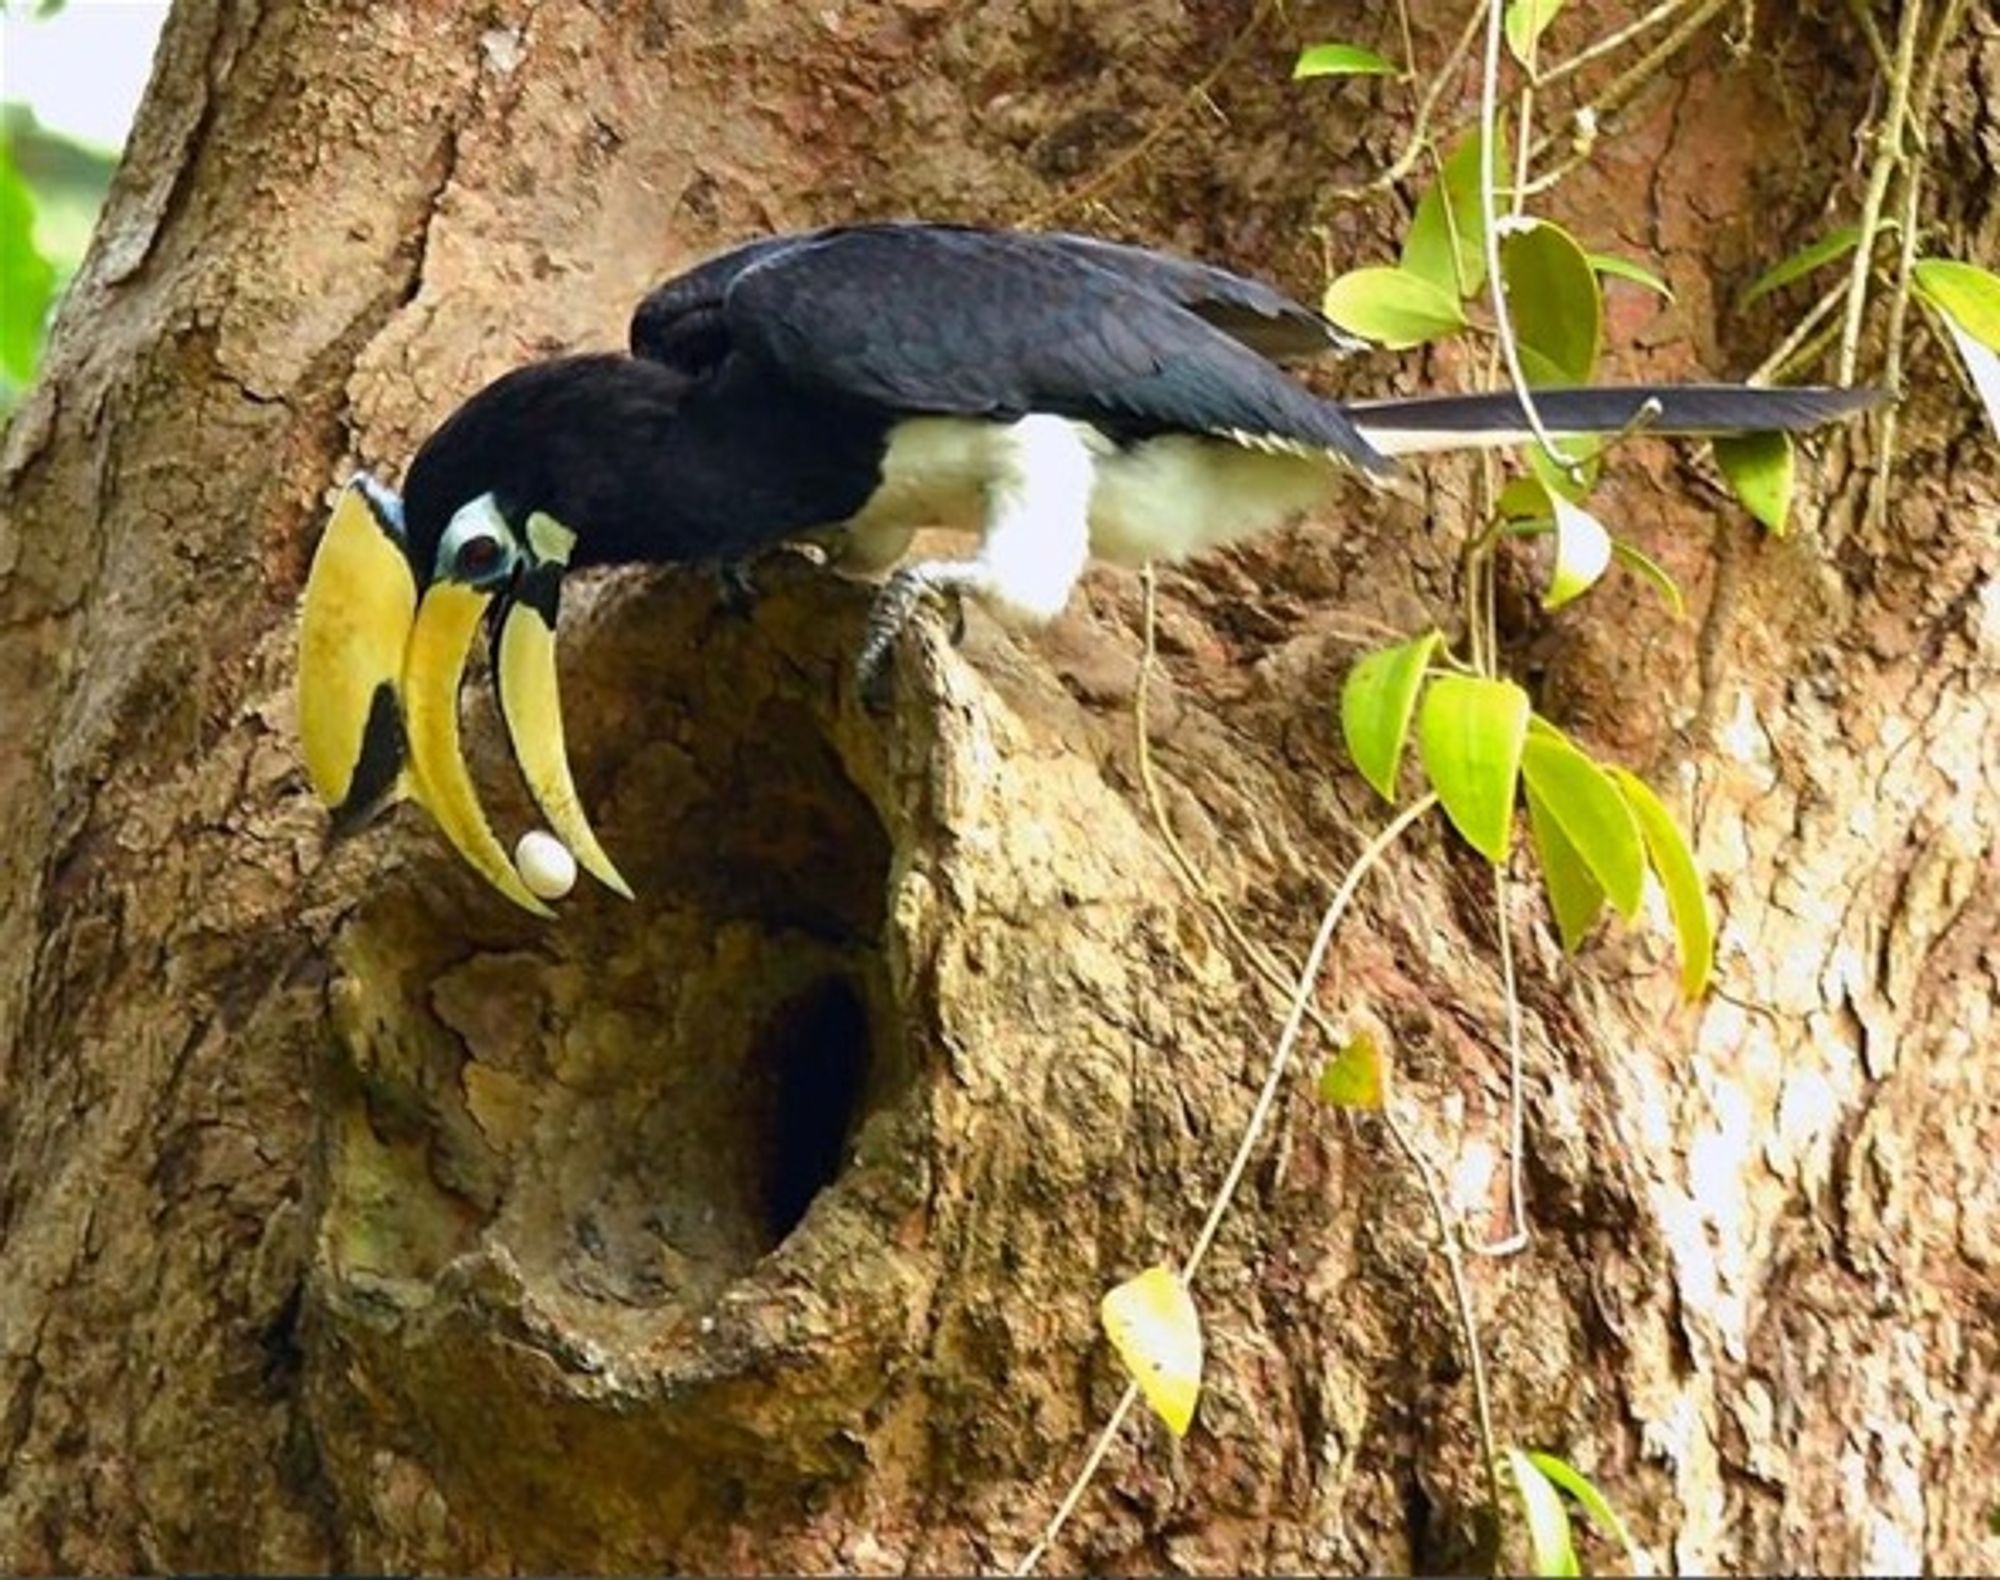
347 1218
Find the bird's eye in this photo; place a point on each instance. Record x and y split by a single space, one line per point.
477 556
478 548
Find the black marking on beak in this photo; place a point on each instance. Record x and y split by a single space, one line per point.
384 751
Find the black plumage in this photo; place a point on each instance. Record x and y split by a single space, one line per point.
1056 396
765 386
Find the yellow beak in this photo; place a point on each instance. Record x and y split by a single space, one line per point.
433 666
379 677
361 598
525 673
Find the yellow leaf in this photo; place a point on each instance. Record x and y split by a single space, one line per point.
1356 1076
1152 1324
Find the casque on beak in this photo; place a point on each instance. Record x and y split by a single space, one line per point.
361 600
380 669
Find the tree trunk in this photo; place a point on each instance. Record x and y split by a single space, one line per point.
350 1218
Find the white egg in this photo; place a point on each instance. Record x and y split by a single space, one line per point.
545 865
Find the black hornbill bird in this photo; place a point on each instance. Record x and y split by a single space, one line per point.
1062 397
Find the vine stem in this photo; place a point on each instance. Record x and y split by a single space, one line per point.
1281 1059
1517 1194
1899 300
1888 156
1449 1246
1419 139
1503 322
1612 42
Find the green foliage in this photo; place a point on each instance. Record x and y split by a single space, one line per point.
1653 573
1525 22
1392 307
1551 1548
1967 298
1814 255
50 192
1760 469
1342 60
1965 293
1594 817
1446 241
1614 267
1541 1480
1673 863
1595 829
1554 301
1583 553
1470 730
1376 704
1575 896
27 277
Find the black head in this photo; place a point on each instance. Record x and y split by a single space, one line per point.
563 439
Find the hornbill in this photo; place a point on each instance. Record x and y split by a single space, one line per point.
1061 396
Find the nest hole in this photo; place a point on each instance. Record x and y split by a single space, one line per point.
812 1064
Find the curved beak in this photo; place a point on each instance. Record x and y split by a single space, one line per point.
524 670
379 676
433 666
360 602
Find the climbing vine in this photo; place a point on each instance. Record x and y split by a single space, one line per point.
1477 263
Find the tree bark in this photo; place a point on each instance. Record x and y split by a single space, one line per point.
350 1219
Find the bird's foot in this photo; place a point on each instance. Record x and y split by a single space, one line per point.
894 607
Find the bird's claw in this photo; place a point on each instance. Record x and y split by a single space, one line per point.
890 614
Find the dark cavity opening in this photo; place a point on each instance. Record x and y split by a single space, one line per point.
812 1060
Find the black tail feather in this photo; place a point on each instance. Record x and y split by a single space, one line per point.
1682 409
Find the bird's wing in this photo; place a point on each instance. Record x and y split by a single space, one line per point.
1261 316
679 321
926 319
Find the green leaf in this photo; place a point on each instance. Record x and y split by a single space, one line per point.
27 279
1551 1551
1356 1076
1152 1324
1584 451
1815 255
1591 812
1376 702
1649 569
1966 294
1575 896
1525 22
1759 468
1982 364
1446 241
1342 60
1524 499
1469 734
1392 307
1609 263
1580 1487
1687 900
1583 553
1553 299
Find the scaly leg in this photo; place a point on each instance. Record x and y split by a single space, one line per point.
1036 542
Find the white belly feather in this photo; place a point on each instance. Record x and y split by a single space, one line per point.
1159 499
